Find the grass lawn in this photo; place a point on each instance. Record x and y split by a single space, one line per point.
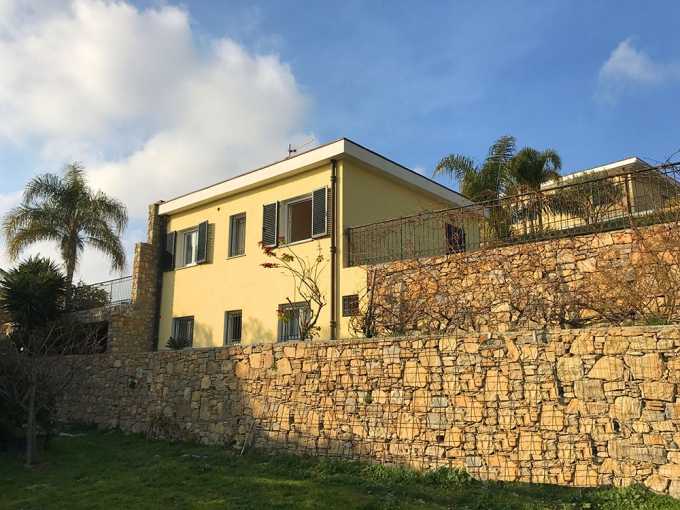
111 470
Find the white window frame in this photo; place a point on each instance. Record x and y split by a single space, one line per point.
180 251
284 225
232 218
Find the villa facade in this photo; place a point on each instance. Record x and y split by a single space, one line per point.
214 289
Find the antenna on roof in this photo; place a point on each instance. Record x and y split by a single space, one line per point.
293 149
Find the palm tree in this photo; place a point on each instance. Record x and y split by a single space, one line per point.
528 170
481 182
485 182
65 210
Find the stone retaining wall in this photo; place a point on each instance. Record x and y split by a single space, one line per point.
525 286
572 407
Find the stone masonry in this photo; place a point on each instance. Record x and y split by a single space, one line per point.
133 326
573 407
525 286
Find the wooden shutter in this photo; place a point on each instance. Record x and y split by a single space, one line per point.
319 207
169 254
202 250
270 224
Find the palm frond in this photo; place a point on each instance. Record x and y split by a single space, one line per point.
457 166
43 187
110 210
502 150
104 239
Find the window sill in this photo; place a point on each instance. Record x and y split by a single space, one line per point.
229 257
187 266
302 241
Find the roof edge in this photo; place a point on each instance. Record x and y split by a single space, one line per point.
301 162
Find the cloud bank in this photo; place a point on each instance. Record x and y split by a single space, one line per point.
153 107
629 68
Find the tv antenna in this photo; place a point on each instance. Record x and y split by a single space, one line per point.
293 149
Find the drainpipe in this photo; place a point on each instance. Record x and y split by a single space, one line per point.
334 248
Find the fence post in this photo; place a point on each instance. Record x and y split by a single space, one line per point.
401 238
629 206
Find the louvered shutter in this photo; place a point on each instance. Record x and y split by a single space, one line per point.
270 224
319 204
169 254
202 249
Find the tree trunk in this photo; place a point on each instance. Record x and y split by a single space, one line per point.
69 255
31 435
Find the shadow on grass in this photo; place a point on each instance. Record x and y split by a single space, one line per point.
102 470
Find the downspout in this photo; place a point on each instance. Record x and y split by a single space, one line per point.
334 248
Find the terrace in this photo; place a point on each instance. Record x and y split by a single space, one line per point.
642 197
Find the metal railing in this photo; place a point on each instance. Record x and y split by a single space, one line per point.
574 206
107 293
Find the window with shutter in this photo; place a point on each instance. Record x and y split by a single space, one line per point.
319 206
270 224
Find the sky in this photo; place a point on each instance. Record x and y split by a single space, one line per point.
159 98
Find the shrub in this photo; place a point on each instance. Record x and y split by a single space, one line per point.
177 344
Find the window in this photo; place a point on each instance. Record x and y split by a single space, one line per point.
186 248
190 250
237 235
183 329
455 239
350 305
299 220
232 327
292 320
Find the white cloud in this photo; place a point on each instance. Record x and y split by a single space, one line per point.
628 67
152 108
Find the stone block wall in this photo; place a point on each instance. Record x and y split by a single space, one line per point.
573 407
133 326
526 286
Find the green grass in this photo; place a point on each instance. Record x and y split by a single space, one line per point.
102 470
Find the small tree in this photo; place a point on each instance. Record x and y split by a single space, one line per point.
33 295
30 379
306 275
591 201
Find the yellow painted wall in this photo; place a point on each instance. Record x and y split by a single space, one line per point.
367 196
206 291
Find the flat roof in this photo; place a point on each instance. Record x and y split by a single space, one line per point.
614 165
305 161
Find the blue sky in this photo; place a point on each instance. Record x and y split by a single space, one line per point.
217 88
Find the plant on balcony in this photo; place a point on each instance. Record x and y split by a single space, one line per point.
177 344
86 297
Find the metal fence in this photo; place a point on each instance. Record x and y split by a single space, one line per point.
108 293
572 206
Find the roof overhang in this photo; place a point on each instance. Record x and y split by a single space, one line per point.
610 168
305 161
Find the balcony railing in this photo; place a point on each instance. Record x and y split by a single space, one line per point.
108 293
570 207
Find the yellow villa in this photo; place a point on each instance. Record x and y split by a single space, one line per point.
214 290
